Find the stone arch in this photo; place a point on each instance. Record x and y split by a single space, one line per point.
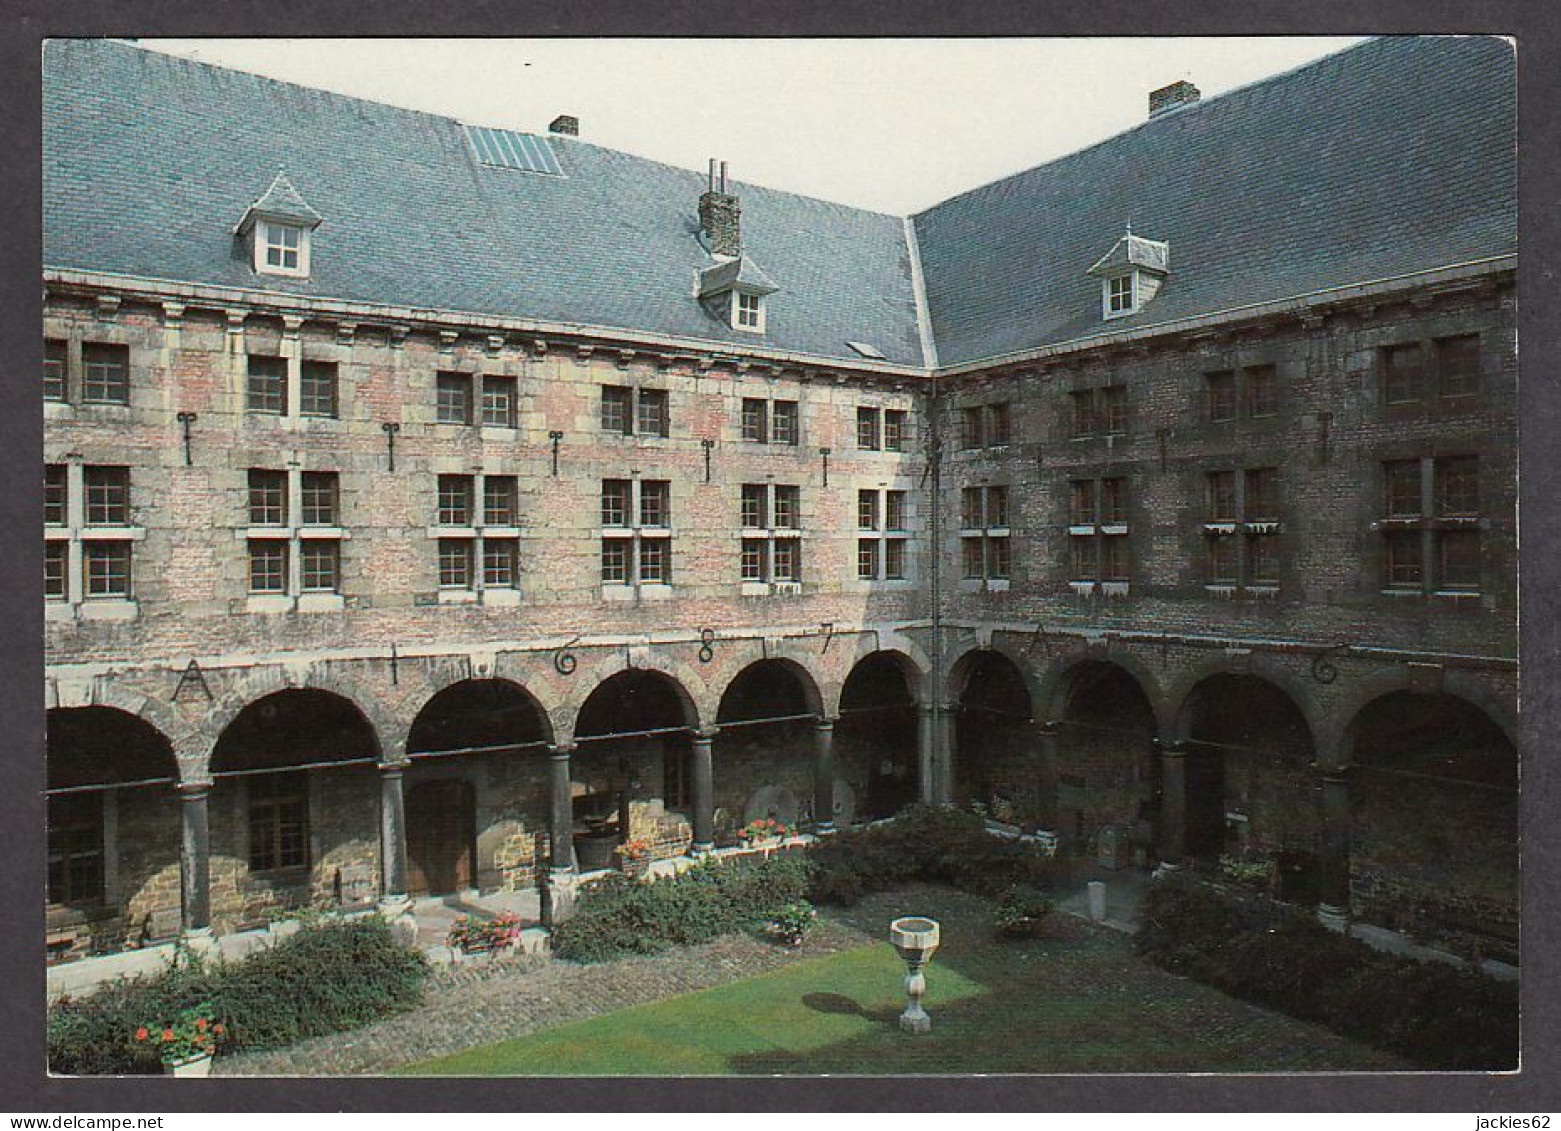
1056 681
688 684
958 670
877 735
99 744
260 682
238 734
763 755
807 684
996 748
493 687
1178 695
1461 684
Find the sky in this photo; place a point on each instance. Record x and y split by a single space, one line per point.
893 125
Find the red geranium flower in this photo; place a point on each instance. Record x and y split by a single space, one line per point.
141 1033
167 1034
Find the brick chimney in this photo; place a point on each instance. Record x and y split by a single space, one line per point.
1174 97
565 124
720 216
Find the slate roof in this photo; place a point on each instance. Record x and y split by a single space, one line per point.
282 202
742 272
150 160
1394 156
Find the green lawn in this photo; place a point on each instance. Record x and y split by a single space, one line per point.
1079 1002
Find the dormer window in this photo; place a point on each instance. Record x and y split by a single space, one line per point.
1119 295
1131 274
279 226
282 244
747 312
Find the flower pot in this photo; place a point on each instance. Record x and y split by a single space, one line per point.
764 843
594 851
197 1065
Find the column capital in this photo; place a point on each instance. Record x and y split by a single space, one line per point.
561 749
394 768
1332 773
195 790
706 734
1050 727
827 722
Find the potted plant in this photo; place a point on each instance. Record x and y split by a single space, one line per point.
763 832
634 856
790 924
1020 913
476 936
186 1044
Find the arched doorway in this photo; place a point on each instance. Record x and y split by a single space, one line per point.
764 752
1108 771
631 770
294 809
113 832
997 760
477 790
1250 786
877 736
1434 821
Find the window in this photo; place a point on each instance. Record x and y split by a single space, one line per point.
1119 294
1262 494
56 586
55 382
267 386
319 498
267 565
282 245
1098 536
1261 390
288 562
1401 479
278 821
1242 531
1439 551
1221 391
628 410
971 434
105 374
1458 486
1458 366
1401 376
455 563
985 509
750 311
998 423
107 569
894 425
636 541
107 495
317 389
267 498
1099 411
617 409
455 500
453 398
500 562
499 402
755 418
320 566
867 434
771 518
653 417
75 847
499 498
55 493
883 518
783 422
1222 496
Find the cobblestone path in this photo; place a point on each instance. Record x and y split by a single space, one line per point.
482 1002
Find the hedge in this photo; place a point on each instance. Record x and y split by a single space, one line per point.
924 844
620 916
324 979
1435 1014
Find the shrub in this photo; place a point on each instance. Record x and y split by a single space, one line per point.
620 916
324 979
1020 912
1432 1013
790 924
935 845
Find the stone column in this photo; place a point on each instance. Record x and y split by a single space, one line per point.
945 752
1049 758
560 808
704 792
824 777
1333 895
195 859
392 839
1173 801
926 756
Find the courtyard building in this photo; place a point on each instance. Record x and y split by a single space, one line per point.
430 505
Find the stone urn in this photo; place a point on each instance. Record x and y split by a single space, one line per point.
915 939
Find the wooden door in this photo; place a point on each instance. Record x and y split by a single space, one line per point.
441 836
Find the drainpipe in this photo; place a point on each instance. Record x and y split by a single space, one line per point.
942 758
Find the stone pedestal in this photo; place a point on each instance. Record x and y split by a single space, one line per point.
915 939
